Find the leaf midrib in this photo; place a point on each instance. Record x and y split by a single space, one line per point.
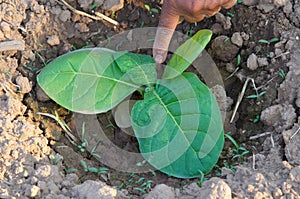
173 118
101 76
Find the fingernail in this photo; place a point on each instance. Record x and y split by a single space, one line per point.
159 59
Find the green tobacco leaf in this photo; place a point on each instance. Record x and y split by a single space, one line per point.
95 80
187 53
179 127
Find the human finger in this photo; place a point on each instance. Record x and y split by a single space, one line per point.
167 24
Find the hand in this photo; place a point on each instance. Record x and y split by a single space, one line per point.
190 10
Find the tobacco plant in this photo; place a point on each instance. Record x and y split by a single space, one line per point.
178 123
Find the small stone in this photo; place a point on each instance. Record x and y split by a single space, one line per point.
278 51
272 54
24 84
230 67
82 27
245 36
266 7
34 180
28 55
250 2
223 49
237 39
113 5
5 27
252 62
1 35
263 61
288 7
56 10
32 191
93 189
214 188
277 192
41 95
295 174
85 4
161 191
225 21
289 45
43 186
52 187
53 40
217 28
280 2
65 15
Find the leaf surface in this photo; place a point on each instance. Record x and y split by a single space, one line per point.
179 127
95 80
187 53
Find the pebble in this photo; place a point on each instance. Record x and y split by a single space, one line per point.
65 15
278 51
161 191
237 39
230 67
224 21
289 45
113 5
252 62
262 61
224 49
82 27
32 191
53 40
24 84
217 28
250 2
4 26
85 4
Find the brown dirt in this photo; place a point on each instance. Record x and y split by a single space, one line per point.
36 157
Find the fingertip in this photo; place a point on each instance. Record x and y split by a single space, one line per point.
158 59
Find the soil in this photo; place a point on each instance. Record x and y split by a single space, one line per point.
37 158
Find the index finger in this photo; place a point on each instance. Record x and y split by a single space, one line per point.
167 24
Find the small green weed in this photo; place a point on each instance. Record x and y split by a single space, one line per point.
70 170
282 74
239 153
151 10
95 170
256 96
264 41
256 119
137 183
230 14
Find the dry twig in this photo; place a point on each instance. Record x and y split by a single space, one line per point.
12 45
99 16
241 96
260 135
68 131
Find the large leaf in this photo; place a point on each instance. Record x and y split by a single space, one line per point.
179 127
187 53
95 80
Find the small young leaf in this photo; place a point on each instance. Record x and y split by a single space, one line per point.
263 41
232 140
154 10
84 165
187 53
179 127
275 39
95 80
93 169
147 7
